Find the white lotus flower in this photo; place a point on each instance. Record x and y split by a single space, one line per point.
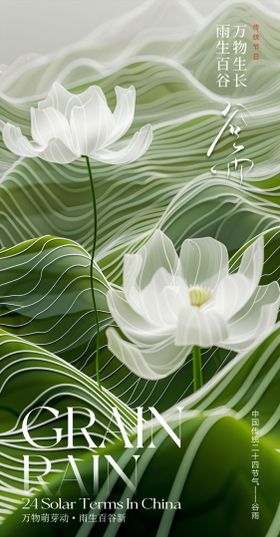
66 126
168 305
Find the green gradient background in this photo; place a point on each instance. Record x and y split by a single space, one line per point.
45 304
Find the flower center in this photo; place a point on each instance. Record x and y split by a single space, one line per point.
198 296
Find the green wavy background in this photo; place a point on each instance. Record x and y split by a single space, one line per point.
47 327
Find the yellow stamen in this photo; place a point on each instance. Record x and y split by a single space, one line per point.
198 296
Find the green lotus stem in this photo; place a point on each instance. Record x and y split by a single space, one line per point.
91 268
197 368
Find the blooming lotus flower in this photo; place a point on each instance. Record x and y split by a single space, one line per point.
65 126
168 304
